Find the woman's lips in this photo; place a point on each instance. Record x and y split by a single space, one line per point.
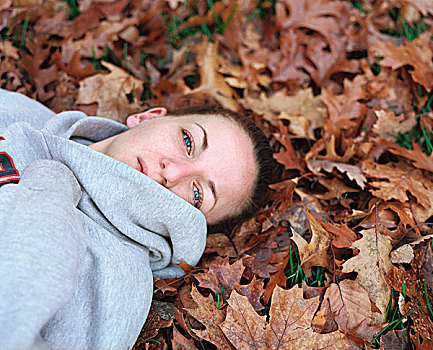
142 166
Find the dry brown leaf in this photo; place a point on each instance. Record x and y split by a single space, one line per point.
219 243
306 113
212 84
180 342
220 274
416 53
395 179
287 156
425 6
343 236
348 303
389 125
345 108
318 15
210 316
353 171
109 91
8 50
289 324
372 265
402 255
317 252
420 159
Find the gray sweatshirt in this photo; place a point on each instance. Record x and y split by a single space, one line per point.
81 234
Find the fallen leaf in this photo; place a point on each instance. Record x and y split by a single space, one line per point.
342 235
349 304
212 84
345 108
372 265
394 180
414 53
317 252
388 125
287 156
305 114
353 171
180 342
211 317
319 16
221 244
420 159
110 92
289 324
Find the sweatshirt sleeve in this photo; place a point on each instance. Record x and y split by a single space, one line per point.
16 107
41 246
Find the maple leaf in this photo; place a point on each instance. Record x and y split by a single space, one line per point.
210 316
289 324
212 84
416 53
396 179
317 252
222 278
180 342
372 265
110 92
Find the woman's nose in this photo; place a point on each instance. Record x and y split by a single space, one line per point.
173 171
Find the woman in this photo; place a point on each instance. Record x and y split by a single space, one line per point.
91 210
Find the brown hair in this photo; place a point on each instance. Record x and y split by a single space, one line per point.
262 153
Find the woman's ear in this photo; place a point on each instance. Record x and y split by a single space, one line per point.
135 119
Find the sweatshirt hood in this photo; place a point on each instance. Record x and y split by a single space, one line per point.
118 195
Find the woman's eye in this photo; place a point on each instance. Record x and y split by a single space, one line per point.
197 197
188 142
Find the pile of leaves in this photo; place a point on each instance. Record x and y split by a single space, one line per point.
341 257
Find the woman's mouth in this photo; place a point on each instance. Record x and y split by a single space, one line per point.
142 166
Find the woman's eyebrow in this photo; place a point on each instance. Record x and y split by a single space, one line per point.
204 144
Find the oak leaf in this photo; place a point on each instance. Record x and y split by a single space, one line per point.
343 236
416 53
353 171
345 108
373 265
320 16
419 159
317 252
110 92
287 156
329 58
388 125
212 84
425 6
289 324
349 304
395 179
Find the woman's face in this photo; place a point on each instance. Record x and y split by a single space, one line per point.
206 160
